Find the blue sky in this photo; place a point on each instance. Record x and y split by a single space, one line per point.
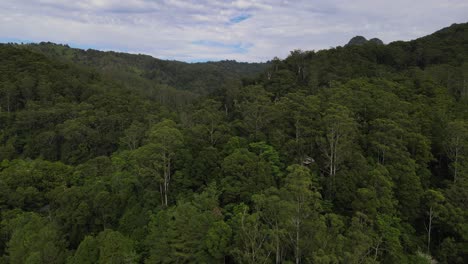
199 30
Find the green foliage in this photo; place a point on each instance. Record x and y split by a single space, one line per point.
107 247
250 245
190 232
33 239
248 171
27 184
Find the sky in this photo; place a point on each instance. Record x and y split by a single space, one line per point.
203 30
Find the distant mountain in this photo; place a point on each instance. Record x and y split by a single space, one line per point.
360 40
144 70
357 40
376 41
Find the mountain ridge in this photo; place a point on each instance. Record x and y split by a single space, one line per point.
142 68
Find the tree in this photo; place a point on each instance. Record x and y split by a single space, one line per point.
251 236
189 232
360 241
377 196
209 122
79 141
107 247
270 206
87 252
218 240
115 248
303 205
294 126
9 93
456 145
165 140
255 107
28 184
339 129
434 208
280 82
133 136
249 170
386 139
35 240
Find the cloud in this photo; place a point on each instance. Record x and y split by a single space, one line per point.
244 30
239 48
250 4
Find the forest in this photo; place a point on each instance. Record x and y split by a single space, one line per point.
354 154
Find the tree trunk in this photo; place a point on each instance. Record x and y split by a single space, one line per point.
455 165
8 104
297 243
212 130
167 176
278 253
429 229
161 194
168 179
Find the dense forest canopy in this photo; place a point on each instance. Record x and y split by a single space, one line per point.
142 71
355 154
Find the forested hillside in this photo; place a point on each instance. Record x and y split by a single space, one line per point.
142 71
355 154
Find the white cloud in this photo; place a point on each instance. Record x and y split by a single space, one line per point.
168 28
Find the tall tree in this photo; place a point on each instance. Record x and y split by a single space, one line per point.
456 145
35 240
167 139
339 130
303 206
255 108
434 205
251 236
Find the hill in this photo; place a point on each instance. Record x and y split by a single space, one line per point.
146 71
360 40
